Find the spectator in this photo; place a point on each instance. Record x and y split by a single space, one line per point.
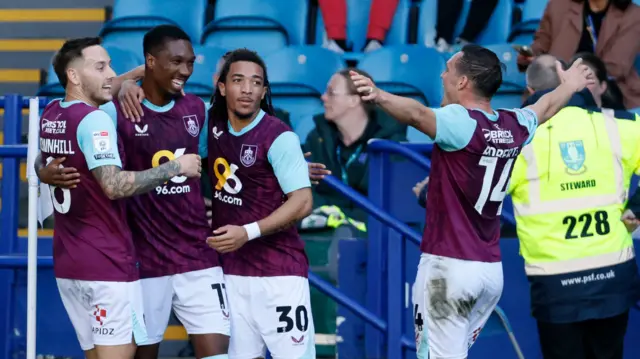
572 26
340 139
448 14
334 14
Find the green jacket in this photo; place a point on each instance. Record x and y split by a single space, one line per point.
323 143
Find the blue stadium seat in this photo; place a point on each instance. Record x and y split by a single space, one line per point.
496 31
532 12
263 26
408 70
358 21
513 81
298 76
121 61
201 81
131 19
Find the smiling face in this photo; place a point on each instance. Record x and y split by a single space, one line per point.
172 66
93 73
244 88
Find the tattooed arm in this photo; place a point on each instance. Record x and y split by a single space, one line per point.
117 183
298 205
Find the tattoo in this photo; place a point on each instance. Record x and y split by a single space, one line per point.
119 184
281 228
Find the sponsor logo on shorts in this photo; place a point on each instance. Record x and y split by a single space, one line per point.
299 341
100 315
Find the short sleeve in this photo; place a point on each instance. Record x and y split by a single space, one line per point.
110 109
289 165
98 140
203 146
454 127
528 119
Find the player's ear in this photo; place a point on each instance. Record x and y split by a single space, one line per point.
73 76
150 61
264 92
222 88
463 82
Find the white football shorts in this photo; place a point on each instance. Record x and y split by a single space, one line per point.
452 301
273 313
104 313
198 298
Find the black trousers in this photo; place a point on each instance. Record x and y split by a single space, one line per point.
591 339
449 11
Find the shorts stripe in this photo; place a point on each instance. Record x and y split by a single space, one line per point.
139 331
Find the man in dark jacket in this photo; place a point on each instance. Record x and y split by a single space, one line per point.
339 141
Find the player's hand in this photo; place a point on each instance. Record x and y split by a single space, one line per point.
208 207
317 171
130 98
364 87
578 76
630 221
190 165
419 186
228 238
56 175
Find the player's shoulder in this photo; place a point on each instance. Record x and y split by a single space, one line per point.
276 123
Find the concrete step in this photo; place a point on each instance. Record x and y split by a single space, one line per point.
63 4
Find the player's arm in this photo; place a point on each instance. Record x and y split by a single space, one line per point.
291 170
575 79
97 138
134 75
405 110
55 174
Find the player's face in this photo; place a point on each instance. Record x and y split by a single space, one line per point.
337 99
244 88
451 80
173 65
94 74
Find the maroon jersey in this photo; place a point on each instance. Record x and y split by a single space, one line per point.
91 240
469 178
245 190
169 224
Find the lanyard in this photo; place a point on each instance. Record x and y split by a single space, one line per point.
354 155
592 32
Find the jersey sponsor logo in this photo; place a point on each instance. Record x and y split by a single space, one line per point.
501 153
54 127
573 156
170 188
101 141
191 125
141 131
216 133
498 135
570 186
228 181
248 154
55 146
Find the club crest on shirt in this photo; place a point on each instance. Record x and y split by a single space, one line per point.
248 154
192 125
573 156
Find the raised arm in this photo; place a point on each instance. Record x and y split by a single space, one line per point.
134 75
97 138
405 110
575 79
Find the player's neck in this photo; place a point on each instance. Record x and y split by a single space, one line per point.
352 127
154 95
478 103
74 94
238 123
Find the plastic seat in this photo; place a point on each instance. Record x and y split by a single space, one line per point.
532 12
132 19
258 25
297 77
121 61
201 81
358 21
496 31
409 70
498 324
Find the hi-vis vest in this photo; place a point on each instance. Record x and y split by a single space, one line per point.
569 188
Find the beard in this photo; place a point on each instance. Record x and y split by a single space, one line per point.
245 116
95 94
